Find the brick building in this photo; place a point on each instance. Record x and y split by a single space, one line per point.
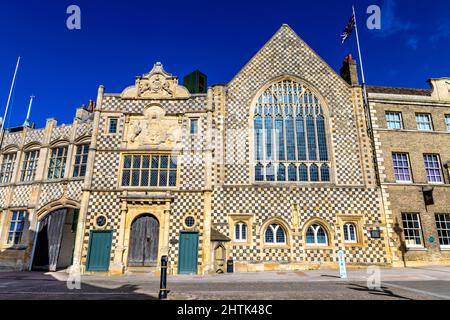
278 169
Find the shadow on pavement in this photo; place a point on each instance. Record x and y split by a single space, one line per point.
329 276
39 286
384 292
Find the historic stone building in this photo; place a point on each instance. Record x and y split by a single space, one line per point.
278 169
412 139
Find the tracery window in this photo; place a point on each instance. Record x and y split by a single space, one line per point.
290 140
316 235
275 234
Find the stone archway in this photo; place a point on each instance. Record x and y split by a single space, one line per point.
55 239
144 242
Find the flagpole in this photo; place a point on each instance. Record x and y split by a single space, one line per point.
8 103
359 48
366 100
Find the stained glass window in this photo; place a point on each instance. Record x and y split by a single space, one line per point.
290 138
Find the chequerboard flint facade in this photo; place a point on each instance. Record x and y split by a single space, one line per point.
278 170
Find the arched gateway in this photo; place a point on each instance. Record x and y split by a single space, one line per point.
144 239
55 240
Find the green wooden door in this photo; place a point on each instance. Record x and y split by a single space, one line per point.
188 253
99 252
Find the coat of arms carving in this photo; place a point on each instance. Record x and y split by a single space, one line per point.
153 129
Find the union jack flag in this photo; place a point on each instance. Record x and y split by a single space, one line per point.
349 29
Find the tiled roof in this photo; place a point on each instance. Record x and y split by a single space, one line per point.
217 236
401 91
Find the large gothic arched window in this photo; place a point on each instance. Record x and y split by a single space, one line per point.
290 140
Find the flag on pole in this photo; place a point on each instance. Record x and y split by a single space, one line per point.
349 29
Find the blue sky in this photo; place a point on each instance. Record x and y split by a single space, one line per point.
119 40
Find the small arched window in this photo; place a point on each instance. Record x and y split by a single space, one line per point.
350 233
240 232
316 235
290 140
275 234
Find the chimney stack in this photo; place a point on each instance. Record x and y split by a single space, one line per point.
349 71
91 106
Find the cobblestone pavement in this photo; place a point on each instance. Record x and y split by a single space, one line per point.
396 284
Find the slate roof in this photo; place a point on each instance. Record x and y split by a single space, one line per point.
401 91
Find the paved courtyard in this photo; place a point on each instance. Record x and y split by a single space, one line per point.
431 283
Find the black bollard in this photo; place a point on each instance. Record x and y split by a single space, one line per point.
163 284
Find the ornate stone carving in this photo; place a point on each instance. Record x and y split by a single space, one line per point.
157 84
153 129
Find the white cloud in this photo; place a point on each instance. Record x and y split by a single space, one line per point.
442 32
391 23
413 42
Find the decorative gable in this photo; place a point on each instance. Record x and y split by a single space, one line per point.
157 84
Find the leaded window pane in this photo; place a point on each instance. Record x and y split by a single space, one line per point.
279 127
303 172
292 172
268 126
321 236
259 175
310 236
16 227
269 235
244 231
301 134
29 166
281 176
322 139
81 158
57 162
270 173
290 138
258 139
280 235
149 171
314 173
325 173
172 178
311 138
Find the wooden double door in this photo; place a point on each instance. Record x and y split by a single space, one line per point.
144 241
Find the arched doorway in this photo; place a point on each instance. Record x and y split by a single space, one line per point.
144 240
55 240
